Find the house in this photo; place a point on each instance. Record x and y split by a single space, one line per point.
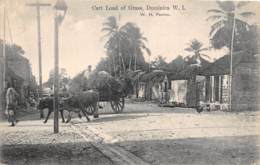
178 83
151 85
184 81
245 82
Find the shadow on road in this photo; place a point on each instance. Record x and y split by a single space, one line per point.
203 151
61 153
116 118
239 150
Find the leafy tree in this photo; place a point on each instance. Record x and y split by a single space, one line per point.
159 63
177 64
228 24
11 49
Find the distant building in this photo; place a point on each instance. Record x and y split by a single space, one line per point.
183 83
176 84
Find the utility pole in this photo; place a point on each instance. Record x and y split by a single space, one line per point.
60 13
4 55
56 74
38 7
3 68
231 62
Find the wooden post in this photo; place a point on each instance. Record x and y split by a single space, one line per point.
61 9
56 75
38 5
4 55
3 70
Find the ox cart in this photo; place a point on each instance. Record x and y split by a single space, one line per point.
110 90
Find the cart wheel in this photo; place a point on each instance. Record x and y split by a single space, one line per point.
118 105
90 110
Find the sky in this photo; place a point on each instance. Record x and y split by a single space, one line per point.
81 41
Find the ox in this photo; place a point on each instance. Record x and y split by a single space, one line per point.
80 102
47 103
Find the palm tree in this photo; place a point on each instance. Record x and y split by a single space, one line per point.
196 48
114 38
228 20
126 41
136 42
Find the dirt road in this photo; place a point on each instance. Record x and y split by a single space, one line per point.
144 132
180 136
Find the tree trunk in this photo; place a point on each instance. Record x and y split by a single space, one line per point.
135 62
130 62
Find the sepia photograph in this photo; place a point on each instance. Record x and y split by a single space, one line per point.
129 82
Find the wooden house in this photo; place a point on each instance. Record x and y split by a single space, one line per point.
244 82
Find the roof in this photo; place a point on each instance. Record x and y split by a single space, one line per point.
189 68
155 76
177 76
222 65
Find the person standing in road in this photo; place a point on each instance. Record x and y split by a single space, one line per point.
11 105
85 77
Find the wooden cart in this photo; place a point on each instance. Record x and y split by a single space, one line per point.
108 94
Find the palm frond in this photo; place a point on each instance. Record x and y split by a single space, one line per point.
204 55
247 14
241 24
203 49
110 24
148 51
214 18
215 11
216 26
189 49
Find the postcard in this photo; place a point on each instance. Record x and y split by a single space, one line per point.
151 82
